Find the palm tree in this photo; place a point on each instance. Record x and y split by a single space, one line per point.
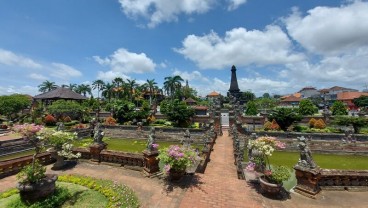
108 91
99 85
118 82
151 86
172 84
72 86
84 89
47 86
131 85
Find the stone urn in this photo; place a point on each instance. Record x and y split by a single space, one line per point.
32 192
269 188
176 175
60 161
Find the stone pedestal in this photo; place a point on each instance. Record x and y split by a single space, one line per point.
307 181
150 164
95 150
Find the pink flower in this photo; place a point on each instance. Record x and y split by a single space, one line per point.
155 146
251 166
167 168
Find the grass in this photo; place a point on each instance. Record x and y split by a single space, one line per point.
16 155
129 145
79 191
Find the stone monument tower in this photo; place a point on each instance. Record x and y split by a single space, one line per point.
234 88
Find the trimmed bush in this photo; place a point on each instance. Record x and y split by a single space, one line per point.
267 125
312 122
274 125
110 121
67 119
50 120
320 124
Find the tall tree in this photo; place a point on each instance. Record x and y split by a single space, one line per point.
248 96
339 109
361 102
99 85
251 108
84 89
118 82
172 84
47 86
108 91
12 104
131 86
151 84
306 107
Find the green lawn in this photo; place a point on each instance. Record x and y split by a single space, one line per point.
129 145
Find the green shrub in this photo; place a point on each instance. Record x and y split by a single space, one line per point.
56 200
31 174
118 195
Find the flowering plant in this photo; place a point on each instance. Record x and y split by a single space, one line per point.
177 158
155 146
28 130
61 142
265 146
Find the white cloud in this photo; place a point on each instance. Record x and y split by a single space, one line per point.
240 47
64 71
234 4
11 59
29 90
125 62
38 76
350 69
110 75
191 76
331 30
260 85
158 11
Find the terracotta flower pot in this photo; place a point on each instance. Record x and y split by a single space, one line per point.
269 188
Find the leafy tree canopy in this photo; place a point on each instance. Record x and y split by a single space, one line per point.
177 112
62 108
12 104
339 109
251 108
361 102
356 122
284 117
306 107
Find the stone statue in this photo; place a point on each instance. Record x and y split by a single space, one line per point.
151 139
139 126
60 126
349 131
186 141
305 160
92 125
98 134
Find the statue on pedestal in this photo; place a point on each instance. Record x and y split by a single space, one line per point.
305 160
151 139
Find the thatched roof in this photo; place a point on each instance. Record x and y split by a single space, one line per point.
60 93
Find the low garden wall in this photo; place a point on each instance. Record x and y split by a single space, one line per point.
162 133
353 180
13 166
314 136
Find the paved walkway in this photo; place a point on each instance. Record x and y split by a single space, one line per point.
218 187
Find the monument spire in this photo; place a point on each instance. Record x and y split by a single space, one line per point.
234 88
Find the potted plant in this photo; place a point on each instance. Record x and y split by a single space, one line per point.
61 146
271 181
177 159
33 183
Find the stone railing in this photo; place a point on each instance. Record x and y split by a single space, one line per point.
13 166
115 157
343 179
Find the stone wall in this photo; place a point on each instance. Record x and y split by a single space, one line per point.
167 134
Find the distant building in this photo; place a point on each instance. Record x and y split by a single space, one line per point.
348 97
290 101
308 92
330 94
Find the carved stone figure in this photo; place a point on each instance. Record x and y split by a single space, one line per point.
151 139
305 159
187 140
60 126
139 126
98 134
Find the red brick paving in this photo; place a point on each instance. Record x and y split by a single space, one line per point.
220 186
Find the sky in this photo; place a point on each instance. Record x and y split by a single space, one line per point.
278 47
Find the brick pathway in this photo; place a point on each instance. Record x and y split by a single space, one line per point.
220 186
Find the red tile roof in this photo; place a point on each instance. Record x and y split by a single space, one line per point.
213 94
292 98
350 95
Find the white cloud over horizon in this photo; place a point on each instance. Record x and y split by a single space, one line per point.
240 47
330 30
11 59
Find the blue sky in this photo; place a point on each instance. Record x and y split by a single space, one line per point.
277 46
